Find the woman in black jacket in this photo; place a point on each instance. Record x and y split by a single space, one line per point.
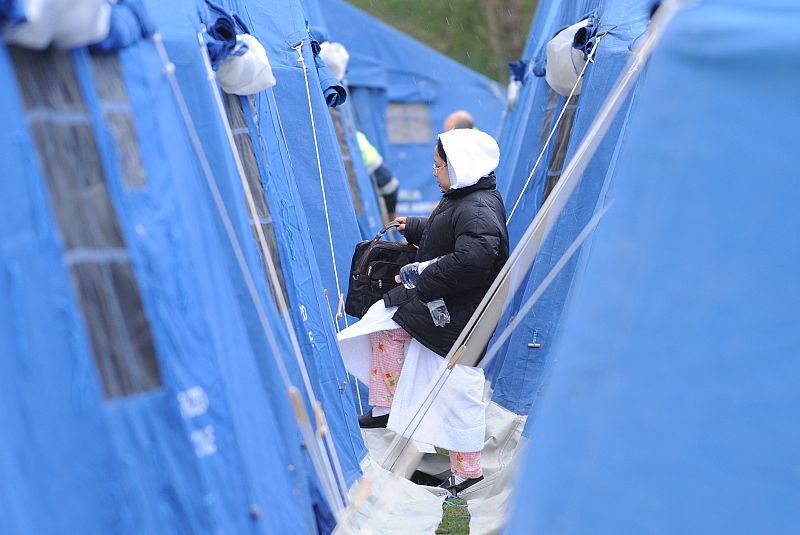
463 245
467 233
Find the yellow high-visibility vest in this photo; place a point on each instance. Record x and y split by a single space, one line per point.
372 158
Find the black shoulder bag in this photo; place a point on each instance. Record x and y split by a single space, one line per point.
373 269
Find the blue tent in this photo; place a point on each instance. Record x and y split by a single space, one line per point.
519 367
362 187
331 216
201 435
274 124
672 403
401 100
133 398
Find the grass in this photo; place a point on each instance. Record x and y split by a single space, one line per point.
455 517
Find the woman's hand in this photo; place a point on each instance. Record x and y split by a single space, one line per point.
402 228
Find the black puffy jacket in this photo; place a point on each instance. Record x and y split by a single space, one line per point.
468 230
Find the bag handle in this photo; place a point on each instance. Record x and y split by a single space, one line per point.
391 224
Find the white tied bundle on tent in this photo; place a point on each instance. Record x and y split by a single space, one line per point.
564 61
248 73
336 57
64 23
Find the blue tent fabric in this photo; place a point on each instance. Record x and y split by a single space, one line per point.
257 445
518 370
365 199
320 352
157 469
673 401
413 74
214 470
332 88
513 120
128 24
335 94
34 407
281 30
12 11
300 218
222 27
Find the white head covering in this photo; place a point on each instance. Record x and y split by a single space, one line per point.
471 154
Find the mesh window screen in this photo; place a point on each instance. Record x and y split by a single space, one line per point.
408 123
560 143
98 260
244 146
340 128
119 117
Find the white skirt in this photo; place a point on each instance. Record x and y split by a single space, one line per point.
454 419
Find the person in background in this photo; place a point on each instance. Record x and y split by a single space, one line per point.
397 347
386 183
459 119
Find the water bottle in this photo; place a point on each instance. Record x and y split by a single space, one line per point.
439 312
409 274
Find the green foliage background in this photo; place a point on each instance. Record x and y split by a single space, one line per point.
482 34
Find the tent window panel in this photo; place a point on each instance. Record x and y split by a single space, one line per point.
244 146
107 73
550 113
408 123
341 136
123 131
99 266
79 194
47 80
123 345
560 145
118 115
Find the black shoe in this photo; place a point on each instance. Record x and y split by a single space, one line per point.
454 488
368 421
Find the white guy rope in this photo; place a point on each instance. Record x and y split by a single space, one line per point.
339 296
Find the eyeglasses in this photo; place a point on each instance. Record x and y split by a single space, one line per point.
435 168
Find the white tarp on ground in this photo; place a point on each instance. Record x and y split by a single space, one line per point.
489 507
487 501
384 504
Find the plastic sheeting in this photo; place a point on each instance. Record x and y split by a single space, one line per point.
248 73
392 506
336 58
672 402
489 501
64 23
565 62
